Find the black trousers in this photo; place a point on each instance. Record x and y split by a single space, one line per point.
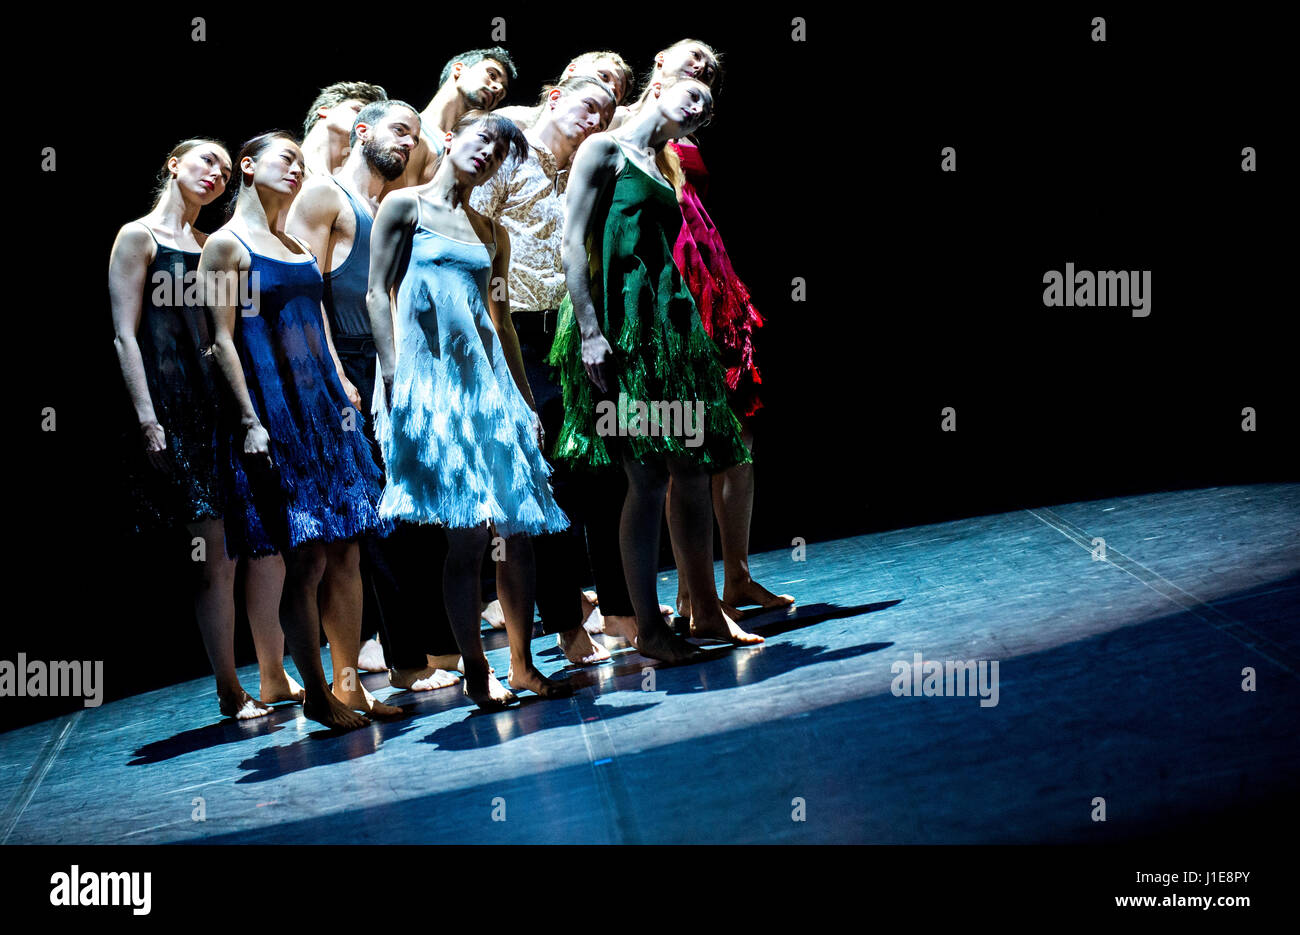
589 549
401 574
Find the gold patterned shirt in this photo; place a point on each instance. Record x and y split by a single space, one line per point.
529 203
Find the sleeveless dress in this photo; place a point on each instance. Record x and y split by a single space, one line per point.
725 305
324 484
662 354
459 446
174 341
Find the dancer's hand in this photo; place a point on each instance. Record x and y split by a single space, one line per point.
353 394
155 445
595 359
257 446
541 432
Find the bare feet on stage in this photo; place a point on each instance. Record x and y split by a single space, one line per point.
494 615
484 690
624 628
591 618
242 707
371 657
533 680
739 602
361 700
724 629
579 648
450 662
663 644
421 680
276 687
752 593
328 710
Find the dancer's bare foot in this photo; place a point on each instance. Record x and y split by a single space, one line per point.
242 707
623 628
724 629
494 615
589 611
533 680
663 644
595 622
591 597
487 692
449 661
579 648
421 680
371 657
749 593
362 700
282 687
328 710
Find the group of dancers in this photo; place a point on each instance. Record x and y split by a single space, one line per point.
432 307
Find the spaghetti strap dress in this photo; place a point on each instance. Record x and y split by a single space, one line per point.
662 354
460 447
175 345
323 484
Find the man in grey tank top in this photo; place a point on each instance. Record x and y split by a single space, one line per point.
333 216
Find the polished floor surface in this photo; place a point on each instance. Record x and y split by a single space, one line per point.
1118 680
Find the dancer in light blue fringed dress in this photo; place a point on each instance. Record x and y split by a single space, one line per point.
453 413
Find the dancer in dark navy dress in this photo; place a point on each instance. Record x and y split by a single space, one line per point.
161 340
299 477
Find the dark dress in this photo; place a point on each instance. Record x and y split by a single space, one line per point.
174 342
324 484
662 354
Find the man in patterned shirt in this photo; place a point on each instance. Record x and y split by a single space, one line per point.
528 199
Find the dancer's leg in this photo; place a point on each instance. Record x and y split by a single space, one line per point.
733 504
340 609
214 607
300 618
691 522
461 591
515 589
639 542
263 582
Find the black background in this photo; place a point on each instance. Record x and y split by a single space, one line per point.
924 289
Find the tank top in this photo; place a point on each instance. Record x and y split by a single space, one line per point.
345 286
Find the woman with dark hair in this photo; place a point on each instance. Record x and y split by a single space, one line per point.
299 477
162 346
455 418
622 221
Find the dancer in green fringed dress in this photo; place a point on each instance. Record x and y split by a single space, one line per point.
642 381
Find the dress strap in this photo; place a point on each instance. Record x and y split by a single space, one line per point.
149 230
244 242
305 248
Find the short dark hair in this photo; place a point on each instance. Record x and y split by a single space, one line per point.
503 128
337 93
375 111
474 56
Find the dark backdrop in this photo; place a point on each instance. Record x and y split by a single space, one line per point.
923 288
